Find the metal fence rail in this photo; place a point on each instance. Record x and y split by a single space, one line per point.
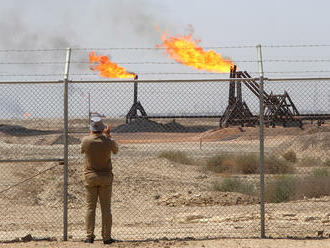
198 163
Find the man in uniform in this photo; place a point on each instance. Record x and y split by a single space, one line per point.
97 147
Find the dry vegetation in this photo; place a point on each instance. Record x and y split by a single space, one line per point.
195 182
284 186
176 156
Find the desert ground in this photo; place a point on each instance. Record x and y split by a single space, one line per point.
155 198
230 243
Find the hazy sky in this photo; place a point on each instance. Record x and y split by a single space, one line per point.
46 24
39 24
130 23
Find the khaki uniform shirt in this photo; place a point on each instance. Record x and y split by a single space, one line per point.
97 150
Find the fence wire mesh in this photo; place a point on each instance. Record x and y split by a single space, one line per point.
297 187
31 143
168 175
188 161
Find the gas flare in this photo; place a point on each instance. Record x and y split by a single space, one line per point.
107 68
185 50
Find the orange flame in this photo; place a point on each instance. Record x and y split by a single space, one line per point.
187 51
106 68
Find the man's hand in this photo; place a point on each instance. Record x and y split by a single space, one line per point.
107 130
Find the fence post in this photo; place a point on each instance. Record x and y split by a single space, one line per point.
261 139
66 145
89 108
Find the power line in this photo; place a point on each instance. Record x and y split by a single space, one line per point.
162 48
163 62
162 73
296 45
296 60
31 63
32 50
295 72
157 48
29 75
127 63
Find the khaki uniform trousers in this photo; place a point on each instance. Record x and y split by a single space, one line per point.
98 187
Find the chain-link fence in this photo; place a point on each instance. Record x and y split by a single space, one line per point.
297 197
191 155
167 181
31 153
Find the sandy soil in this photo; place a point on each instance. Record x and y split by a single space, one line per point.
230 243
154 197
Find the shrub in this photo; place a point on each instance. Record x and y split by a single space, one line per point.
176 156
285 187
247 163
320 172
309 162
220 164
313 186
290 156
234 185
327 163
280 189
275 165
